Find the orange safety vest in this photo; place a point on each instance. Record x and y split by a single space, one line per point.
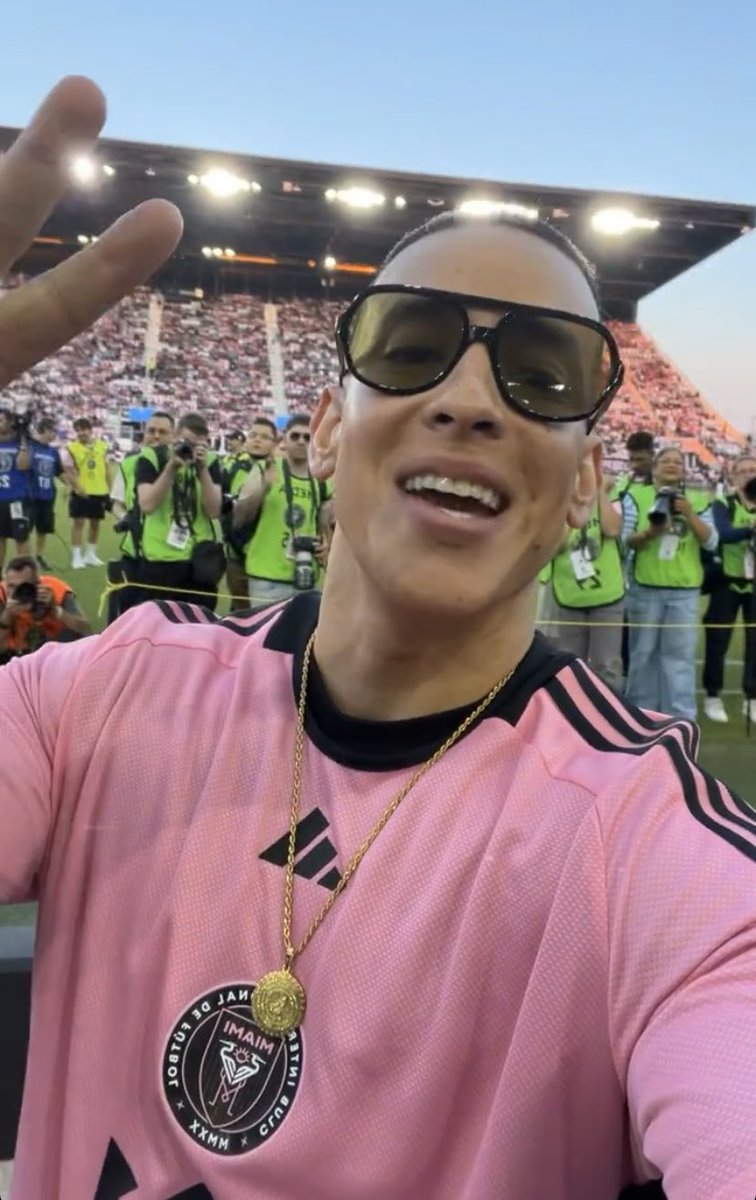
50 626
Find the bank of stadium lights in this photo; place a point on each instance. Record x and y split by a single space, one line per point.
83 240
355 197
489 208
400 202
217 252
329 262
86 171
616 222
222 183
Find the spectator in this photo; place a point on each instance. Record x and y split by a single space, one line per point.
35 609
666 535
91 483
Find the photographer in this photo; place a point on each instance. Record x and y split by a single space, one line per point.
292 533
15 484
588 585
666 532
46 467
255 453
127 519
179 496
731 588
36 609
90 498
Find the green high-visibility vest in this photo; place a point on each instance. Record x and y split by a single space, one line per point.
735 554
157 526
266 556
128 472
672 560
607 583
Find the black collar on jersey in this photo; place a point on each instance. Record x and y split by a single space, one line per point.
392 745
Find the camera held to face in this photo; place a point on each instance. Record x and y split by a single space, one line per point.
21 424
184 450
662 510
303 550
25 594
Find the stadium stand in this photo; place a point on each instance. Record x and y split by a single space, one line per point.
221 355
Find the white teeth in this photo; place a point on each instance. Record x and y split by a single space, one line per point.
454 487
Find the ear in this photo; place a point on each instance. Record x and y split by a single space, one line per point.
325 427
588 480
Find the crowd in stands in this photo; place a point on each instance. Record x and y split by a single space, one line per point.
215 354
308 348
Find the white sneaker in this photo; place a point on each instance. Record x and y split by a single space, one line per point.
752 714
77 562
91 559
715 710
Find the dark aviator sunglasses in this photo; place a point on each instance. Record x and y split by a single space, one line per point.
548 365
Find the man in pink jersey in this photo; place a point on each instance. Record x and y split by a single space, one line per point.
540 981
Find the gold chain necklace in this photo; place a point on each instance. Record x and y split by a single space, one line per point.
279 1000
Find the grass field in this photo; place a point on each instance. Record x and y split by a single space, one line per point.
725 750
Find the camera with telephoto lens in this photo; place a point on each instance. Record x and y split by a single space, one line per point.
26 594
663 507
21 423
185 451
303 552
749 490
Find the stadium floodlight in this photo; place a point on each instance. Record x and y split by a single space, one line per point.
616 222
329 262
356 197
489 208
82 239
207 251
230 253
222 183
84 170
108 170
217 252
400 202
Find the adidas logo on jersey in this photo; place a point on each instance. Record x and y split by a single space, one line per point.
314 852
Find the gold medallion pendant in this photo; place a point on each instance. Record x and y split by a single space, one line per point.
279 1003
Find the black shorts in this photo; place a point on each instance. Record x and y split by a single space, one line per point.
12 528
88 508
164 581
43 516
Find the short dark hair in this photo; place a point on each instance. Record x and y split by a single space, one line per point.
542 229
640 440
297 419
195 423
163 416
46 425
23 562
266 421
82 423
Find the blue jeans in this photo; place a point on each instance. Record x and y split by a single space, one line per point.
662 670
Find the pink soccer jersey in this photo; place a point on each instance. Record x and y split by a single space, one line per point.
539 985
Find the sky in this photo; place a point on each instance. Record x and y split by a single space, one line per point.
654 97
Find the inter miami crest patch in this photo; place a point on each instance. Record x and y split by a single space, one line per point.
229 1085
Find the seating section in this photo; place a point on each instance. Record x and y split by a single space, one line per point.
221 356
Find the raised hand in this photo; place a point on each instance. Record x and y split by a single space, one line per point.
40 316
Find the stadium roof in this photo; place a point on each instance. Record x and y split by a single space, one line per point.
288 235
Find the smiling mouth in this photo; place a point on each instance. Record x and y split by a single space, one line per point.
456 495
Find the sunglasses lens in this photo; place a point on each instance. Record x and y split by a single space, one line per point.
552 367
404 343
